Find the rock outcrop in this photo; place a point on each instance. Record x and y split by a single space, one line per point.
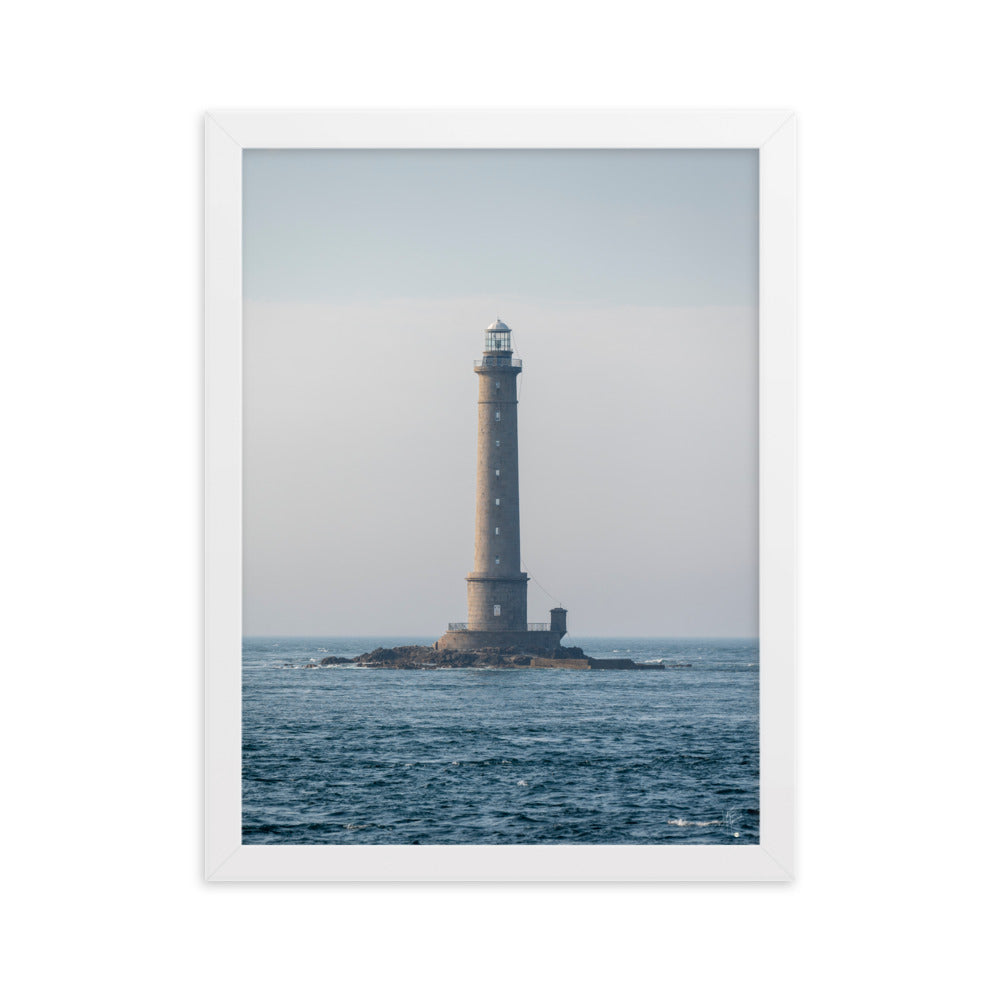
429 658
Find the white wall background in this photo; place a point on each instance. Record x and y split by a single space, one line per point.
101 404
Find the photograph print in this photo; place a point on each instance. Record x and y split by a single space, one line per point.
500 497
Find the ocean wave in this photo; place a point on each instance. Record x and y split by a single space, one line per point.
631 759
312 665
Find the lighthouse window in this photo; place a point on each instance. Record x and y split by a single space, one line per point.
496 530
498 444
497 384
497 471
497 560
497 415
498 501
496 610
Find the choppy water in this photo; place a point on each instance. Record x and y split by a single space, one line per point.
349 755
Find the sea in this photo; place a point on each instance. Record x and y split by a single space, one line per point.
355 755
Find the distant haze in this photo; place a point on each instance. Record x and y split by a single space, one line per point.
630 281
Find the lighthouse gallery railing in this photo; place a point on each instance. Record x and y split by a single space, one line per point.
494 362
532 627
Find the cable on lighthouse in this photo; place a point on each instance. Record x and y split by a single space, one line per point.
539 586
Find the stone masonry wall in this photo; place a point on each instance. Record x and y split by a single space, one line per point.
496 578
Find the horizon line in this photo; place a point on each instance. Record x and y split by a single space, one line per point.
412 635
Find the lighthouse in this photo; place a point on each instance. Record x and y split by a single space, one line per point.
497 588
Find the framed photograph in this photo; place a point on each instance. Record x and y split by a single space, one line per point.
500 496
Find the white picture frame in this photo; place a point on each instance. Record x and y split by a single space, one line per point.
227 134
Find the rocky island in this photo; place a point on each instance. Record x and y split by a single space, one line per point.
499 658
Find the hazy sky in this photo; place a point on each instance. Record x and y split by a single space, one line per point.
630 281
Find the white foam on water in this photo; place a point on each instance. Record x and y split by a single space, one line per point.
522 784
694 822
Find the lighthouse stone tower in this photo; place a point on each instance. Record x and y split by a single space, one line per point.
497 589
